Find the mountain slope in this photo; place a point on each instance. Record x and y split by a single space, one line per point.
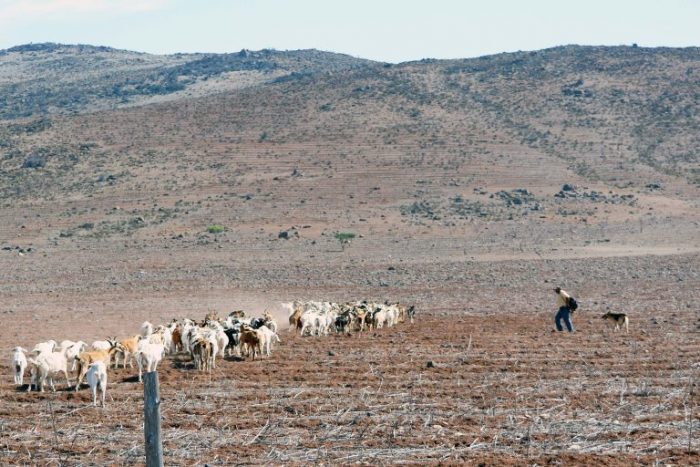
530 144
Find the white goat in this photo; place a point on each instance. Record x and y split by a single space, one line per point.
324 321
217 330
392 315
97 379
221 342
101 345
44 366
380 319
309 320
162 335
73 351
267 336
146 329
19 364
42 347
64 345
148 355
188 336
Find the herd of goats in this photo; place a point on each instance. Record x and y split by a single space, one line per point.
203 341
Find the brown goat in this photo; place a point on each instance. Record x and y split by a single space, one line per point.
249 340
177 338
202 353
295 317
402 313
127 347
363 318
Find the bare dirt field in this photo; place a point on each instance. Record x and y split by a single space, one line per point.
502 388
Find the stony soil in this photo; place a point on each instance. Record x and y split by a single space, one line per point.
501 388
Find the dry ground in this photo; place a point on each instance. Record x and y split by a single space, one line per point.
503 389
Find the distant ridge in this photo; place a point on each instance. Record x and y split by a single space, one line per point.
77 78
565 100
52 47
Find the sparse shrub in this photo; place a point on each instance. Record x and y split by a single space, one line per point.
344 238
215 229
137 222
35 161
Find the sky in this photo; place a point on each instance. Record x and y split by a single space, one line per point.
384 30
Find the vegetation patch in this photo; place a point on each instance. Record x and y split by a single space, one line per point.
344 238
215 229
497 206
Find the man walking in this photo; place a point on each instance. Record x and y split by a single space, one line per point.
564 310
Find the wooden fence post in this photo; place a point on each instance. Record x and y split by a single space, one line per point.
151 420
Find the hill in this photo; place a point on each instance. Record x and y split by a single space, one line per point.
572 135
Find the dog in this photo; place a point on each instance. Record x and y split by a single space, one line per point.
617 320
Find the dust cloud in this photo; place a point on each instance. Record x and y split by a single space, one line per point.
257 307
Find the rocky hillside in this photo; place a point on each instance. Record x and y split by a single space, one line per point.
529 143
44 79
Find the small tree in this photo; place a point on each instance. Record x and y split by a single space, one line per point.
344 238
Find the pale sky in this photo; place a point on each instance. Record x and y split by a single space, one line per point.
385 30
